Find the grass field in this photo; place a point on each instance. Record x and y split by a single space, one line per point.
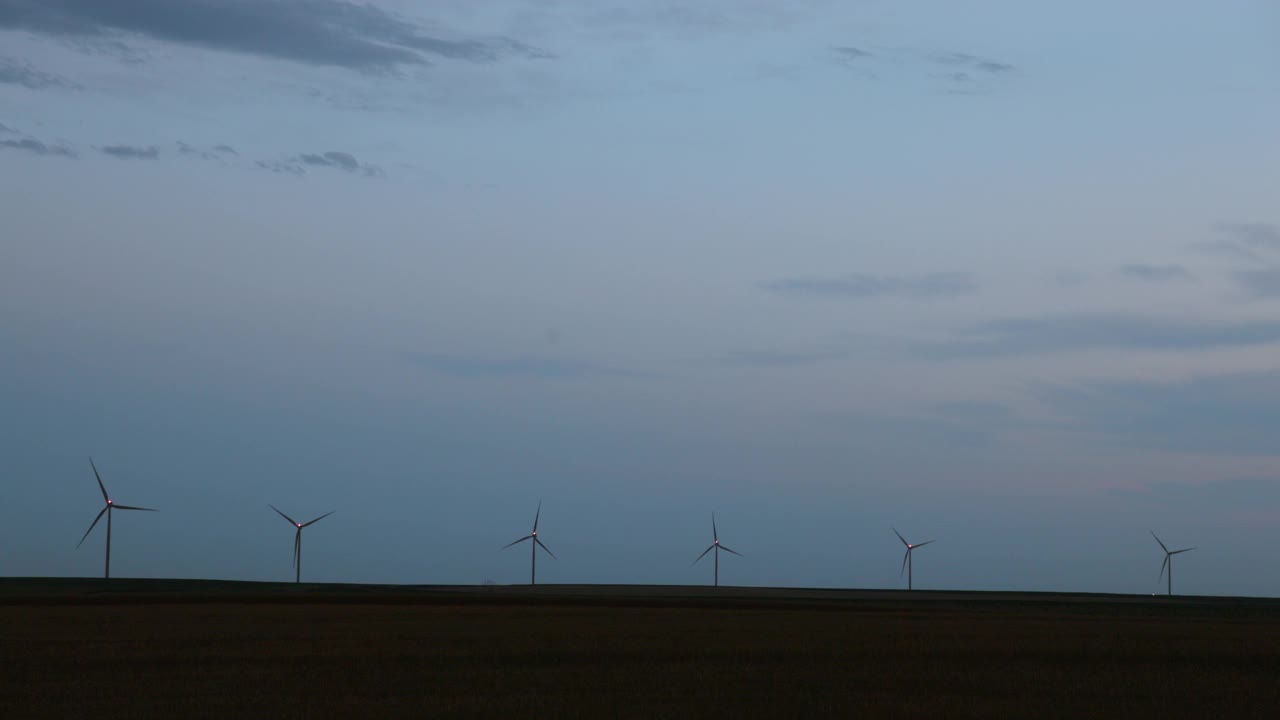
80 648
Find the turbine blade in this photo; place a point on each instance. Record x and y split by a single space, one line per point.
319 518
544 547
101 487
1162 567
286 517
704 552
92 525
537 515
714 534
904 540
926 542
726 549
1162 547
517 542
1175 552
903 571
131 507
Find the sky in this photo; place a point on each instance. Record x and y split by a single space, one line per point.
1001 274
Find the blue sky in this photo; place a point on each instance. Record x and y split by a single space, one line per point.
1005 275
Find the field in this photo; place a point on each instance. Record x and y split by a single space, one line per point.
149 648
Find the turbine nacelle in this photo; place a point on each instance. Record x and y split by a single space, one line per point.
535 543
106 510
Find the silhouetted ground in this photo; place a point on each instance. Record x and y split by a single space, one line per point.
145 648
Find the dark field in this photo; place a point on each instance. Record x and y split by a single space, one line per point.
81 648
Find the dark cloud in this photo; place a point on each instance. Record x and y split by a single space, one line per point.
1067 277
37 147
904 434
1235 413
1066 333
858 286
318 32
531 367
1228 493
990 413
6 128
848 52
1243 241
214 153
1259 283
974 62
1258 242
284 168
346 161
340 161
774 358
1156 273
15 73
130 152
1255 234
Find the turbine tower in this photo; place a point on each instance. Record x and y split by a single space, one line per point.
533 547
297 539
715 545
111 505
906 559
1168 560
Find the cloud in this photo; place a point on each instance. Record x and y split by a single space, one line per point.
1259 283
6 129
1243 240
848 52
974 62
1253 234
338 160
905 434
318 32
37 147
521 366
346 161
15 73
1156 273
1227 493
213 153
130 152
859 286
1258 242
1235 413
284 168
775 358
185 149
1066 333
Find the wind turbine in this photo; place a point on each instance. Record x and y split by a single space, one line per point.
533 546
715 545
1168 560
111 505
906 559
297 539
